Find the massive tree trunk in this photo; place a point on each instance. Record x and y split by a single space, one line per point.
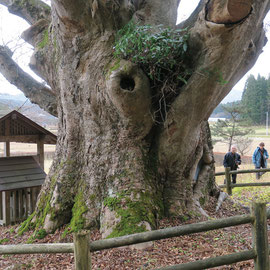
122 161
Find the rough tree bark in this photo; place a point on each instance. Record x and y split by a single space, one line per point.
116 166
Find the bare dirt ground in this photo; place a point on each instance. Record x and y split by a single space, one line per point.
163 253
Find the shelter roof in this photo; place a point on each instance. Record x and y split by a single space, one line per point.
15 127
20 172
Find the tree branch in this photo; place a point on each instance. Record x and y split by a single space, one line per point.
74 15
71 9
158 12
117 14
228 11
237 45
35 91
31 11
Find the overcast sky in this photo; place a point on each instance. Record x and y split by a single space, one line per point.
12 26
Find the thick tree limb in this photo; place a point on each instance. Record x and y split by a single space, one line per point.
32 34
228 11
73 10
73 16
158 12
78 16
31 11
35 91
237 45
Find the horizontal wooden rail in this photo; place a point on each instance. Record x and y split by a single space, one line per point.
244 171
250 171
214 262
170 232
261 184
219 173
259 233
37 248
229 185
130 239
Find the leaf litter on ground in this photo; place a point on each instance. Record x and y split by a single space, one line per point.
162 253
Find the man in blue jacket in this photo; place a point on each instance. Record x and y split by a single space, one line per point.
232 160
259 159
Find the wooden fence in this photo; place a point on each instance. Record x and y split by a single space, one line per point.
229 185
82 247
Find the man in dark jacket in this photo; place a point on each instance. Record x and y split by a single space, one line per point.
232 160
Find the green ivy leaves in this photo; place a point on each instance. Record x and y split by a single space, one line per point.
155 48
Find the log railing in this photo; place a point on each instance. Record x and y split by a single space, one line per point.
82 247
229 186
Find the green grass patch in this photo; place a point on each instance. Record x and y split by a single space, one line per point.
4 240
245 195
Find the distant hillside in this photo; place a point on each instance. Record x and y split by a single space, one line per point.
234 95
19 102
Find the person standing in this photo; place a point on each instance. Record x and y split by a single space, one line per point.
232 160
259 159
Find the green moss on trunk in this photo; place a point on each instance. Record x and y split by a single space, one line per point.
26 224
45 40
132 212
78 221
44 208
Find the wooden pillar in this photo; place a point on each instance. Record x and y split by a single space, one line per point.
228 180
31 201
16 206
260 237
6 207
82 250
1 206
40 152
20 216
27 202
34 194
7 149
7 133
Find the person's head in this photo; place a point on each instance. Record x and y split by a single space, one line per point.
233 149
261 145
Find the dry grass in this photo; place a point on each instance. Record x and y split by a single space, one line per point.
223 148
25 148
245 195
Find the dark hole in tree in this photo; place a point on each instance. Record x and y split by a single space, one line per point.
127 83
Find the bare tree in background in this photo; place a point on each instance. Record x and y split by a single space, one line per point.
233 130
243 144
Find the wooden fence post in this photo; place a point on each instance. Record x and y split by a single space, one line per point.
82 250
259 236
228 180
6 207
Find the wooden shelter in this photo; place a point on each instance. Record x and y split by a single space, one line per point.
21 177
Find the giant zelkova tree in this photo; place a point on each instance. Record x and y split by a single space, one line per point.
132 130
